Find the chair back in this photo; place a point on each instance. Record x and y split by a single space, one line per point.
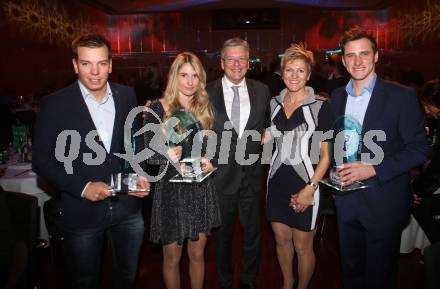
25 215
25 219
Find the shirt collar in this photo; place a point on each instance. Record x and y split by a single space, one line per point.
311 98
227 83
368 87
86 94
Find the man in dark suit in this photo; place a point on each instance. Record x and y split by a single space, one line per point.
91 112
240 105
370 220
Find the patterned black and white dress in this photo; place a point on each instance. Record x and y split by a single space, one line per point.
295 158
180 210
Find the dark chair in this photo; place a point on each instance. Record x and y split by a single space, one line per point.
431 258
25 219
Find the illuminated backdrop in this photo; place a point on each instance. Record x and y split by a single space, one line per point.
35 36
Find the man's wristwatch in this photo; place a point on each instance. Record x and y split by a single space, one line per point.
312 184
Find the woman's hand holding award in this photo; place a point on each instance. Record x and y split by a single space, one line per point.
182 129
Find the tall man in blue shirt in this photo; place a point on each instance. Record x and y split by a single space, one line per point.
92 112
370 220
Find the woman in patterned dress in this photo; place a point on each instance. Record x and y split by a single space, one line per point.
182 211
293 192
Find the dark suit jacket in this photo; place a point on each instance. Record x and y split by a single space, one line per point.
67 110
395 110
228 177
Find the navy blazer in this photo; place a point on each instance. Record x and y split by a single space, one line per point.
228 177
67 110
395 110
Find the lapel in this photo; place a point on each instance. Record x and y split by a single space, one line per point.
253 103
83 113
340 107
118 124
218 101
375 106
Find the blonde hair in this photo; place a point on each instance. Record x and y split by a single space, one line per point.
298 51
200 105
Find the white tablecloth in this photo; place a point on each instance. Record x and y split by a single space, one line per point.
20 178
413 237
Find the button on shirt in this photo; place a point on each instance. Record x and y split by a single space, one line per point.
245 106
357 104
102 113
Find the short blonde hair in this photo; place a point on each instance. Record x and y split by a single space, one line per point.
200 106
298 51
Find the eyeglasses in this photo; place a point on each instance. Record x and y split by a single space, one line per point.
230 60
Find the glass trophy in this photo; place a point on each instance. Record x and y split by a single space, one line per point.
182 129
124 183
345 147
191 171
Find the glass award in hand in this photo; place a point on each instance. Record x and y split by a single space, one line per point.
182 129
345 147
124 183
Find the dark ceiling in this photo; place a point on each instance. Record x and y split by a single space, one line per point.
144 6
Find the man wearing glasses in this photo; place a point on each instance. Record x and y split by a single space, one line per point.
240 105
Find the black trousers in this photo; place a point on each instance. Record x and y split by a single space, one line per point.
247 203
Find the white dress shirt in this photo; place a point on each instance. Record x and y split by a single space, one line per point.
102 113
103 116
245 105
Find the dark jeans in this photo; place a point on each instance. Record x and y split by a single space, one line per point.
83 249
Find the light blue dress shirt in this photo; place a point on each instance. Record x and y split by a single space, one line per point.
356 105
102 113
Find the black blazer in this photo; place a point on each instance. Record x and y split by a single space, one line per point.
229 174
67 110
395 110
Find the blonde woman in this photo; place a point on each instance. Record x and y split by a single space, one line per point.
293 192
183 211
